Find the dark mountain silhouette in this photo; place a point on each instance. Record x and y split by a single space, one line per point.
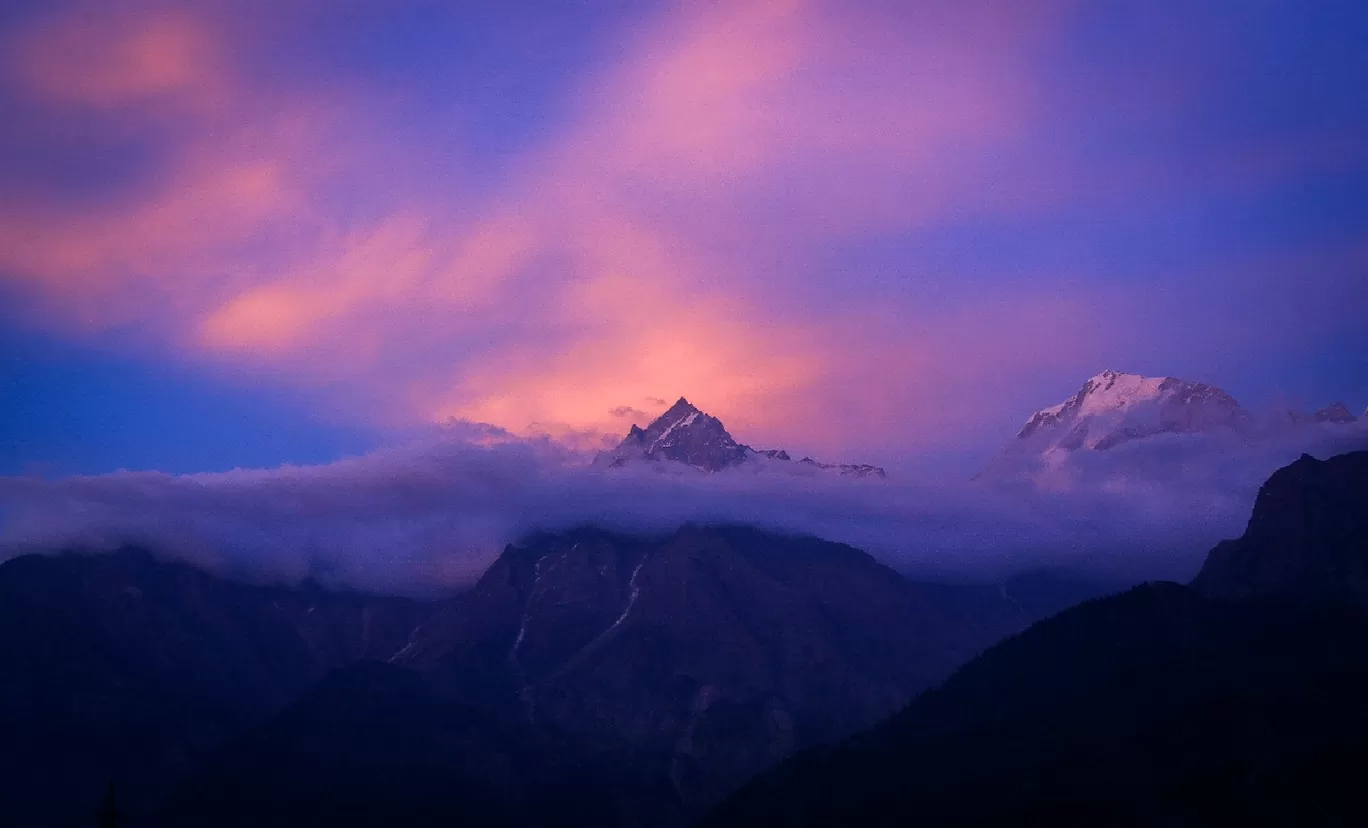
636 680
699 658
1235 701
120 667
1307 541
375 744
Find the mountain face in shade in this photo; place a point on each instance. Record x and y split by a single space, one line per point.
1220 704
378 745
120 667
705 656
686 435
1307 540
1155 707
589 679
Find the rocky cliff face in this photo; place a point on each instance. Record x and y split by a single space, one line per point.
1307 540
688 436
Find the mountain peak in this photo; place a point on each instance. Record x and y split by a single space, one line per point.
685 434
681 407
1114 407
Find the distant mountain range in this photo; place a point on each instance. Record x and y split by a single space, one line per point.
1111 411
688 437
1237 700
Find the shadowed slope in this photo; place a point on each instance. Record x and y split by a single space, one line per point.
1156 707
122 667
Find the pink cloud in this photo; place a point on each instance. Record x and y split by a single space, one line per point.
640 252
105 57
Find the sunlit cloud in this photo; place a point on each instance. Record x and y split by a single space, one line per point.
659 236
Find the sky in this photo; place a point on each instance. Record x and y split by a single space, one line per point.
245 234
303 237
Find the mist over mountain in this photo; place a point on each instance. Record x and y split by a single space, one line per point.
435 513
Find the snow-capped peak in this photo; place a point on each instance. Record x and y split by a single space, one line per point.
686 435
1111 390
1069 442
683 434
1114 407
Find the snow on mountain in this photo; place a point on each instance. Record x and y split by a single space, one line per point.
1113 408
1122 428
682 434
688 436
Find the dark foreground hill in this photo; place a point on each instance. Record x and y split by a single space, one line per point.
697 659
124 668
648 677
1238 701
375 744
636 680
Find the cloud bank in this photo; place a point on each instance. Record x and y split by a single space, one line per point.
431 516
